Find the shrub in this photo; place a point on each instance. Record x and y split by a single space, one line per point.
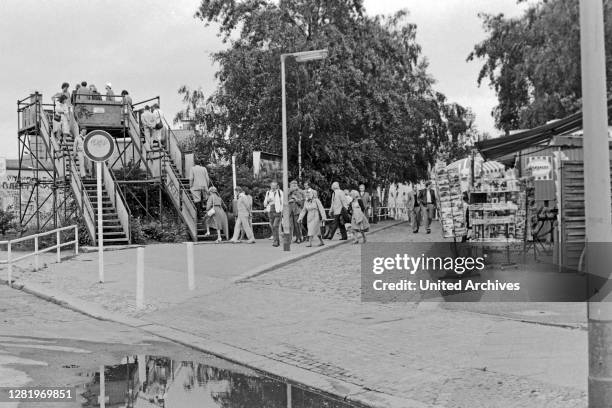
167 230
6 220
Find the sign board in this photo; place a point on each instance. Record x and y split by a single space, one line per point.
267 165
98 146
540 167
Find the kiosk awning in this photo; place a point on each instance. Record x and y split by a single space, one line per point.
505 145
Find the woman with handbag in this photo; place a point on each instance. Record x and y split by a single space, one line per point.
359 221
314 212
215 208
159 131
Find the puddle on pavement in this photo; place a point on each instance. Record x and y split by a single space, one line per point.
153 381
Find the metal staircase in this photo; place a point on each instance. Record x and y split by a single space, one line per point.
167 167
116 215
169 164
113 232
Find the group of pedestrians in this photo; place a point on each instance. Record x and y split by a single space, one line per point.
210 208
65 125
154 125
64 122
419 207
307 217
89 92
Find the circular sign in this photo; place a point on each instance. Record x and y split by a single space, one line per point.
98 146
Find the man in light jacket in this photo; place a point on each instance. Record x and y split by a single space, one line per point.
149 120
274 207
198 184
243 217
338 211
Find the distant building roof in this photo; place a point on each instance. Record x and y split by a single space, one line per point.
28 163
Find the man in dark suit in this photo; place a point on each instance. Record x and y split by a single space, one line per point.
366 199
413 208
427 201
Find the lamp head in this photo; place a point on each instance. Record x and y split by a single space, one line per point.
314 55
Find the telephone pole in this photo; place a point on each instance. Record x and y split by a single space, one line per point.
597 197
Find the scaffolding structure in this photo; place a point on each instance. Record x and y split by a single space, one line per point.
138 175
47 185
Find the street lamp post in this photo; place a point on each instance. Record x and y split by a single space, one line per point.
596 198
304 56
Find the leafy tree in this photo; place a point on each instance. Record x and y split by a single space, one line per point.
367 113
533 62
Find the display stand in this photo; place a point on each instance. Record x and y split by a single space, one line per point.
498 212
450 202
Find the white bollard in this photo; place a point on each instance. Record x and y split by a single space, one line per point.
10 266
140 278
58 240
102 397
289 397
36 255
76 240
190 266
100 223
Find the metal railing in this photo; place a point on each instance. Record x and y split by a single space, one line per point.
117 199
83 201
134 132
382 212
53 145
179 196
181 199
37 251
327 219
76 183
155 98
174 150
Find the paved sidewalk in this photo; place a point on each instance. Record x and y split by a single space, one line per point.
305 321
217 266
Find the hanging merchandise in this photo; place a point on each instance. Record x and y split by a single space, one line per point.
450 203
498 208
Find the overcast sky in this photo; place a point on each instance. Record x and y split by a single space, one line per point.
152 47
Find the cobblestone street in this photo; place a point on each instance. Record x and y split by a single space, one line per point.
307 315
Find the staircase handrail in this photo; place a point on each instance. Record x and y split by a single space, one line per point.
155 98
49 131
76 183
147 145
53 146
134 131
82 200
117 199
174 149
181 199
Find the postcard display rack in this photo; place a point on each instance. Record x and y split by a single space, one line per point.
451 206
498 209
